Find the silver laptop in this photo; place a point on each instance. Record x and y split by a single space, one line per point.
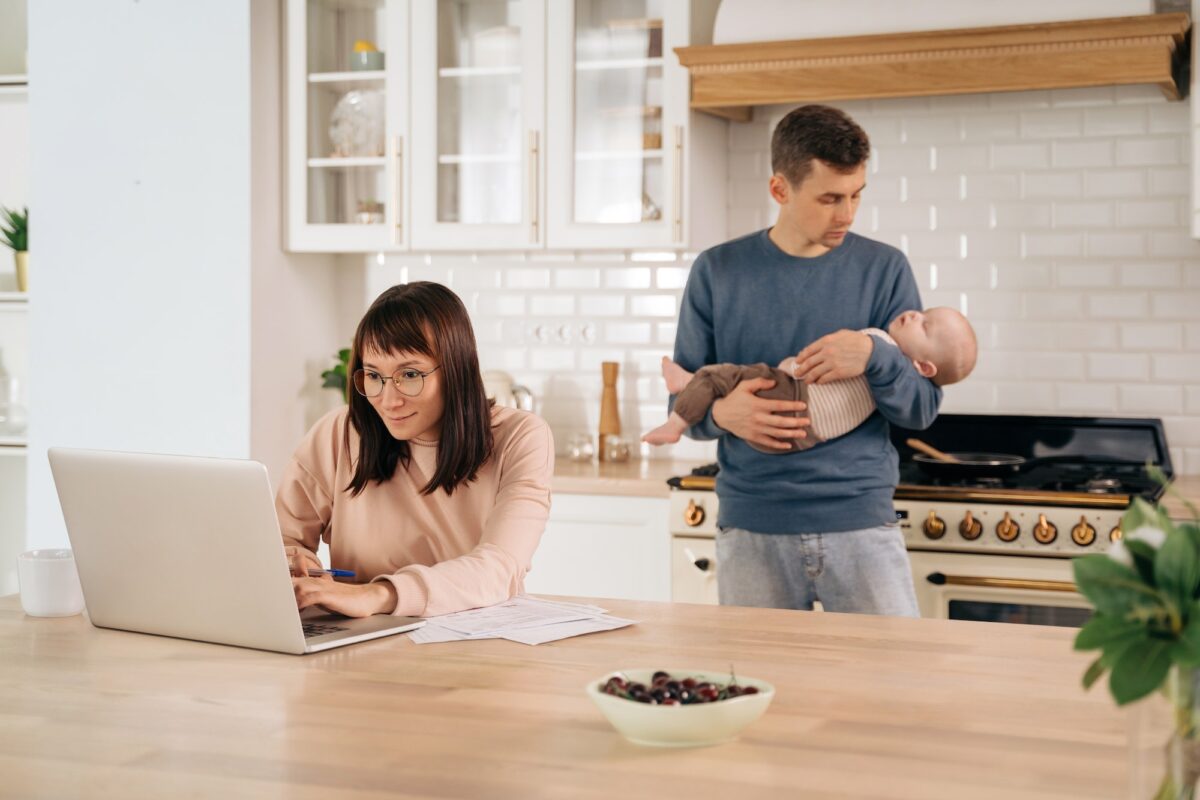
190 547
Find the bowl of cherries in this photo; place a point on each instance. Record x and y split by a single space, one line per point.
679 707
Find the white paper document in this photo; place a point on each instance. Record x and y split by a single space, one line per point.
524 619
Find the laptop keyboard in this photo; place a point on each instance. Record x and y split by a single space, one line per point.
312 629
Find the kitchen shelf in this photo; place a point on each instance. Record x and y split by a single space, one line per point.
341 82
343 162
728 80
618 63
479 158
478 72
617 155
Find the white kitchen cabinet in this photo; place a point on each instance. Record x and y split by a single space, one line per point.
515 126
477 71
604 546
347 123
619 143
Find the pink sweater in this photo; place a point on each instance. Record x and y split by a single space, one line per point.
442 553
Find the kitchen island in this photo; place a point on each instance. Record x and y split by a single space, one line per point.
866 707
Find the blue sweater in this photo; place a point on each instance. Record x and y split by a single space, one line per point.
747 301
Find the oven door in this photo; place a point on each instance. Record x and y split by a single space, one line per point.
996 588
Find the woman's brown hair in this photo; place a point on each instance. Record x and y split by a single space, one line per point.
429 319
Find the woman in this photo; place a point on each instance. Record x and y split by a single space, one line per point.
421 487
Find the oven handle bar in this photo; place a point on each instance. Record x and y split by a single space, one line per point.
941 579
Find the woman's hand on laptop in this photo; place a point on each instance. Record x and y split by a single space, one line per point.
350 599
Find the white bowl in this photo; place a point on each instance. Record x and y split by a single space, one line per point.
690 725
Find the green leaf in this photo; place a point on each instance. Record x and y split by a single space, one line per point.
1111 587
1094 672
1139 670
1143 559
1177 568
1102 630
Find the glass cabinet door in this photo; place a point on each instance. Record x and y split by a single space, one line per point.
612 114
477 89
347 101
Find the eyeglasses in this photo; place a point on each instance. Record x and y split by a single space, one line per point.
409 382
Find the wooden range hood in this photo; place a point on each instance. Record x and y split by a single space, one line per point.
729 79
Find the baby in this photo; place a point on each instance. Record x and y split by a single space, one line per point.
939 341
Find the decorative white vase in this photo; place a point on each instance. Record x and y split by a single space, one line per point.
22 257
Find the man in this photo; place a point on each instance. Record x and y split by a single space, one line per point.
816 524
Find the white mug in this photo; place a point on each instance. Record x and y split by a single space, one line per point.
49 583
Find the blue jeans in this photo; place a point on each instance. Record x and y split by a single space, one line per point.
861 572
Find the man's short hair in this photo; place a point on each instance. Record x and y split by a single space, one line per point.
816 131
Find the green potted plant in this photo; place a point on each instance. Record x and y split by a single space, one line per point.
335 377
1146 593
14 228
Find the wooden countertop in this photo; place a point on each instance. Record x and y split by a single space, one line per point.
647 478
866 707
641 478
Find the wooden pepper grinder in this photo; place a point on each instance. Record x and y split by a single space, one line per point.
610 419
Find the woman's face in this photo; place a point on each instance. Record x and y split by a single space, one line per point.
405 417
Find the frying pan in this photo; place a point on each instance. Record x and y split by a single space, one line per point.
958 466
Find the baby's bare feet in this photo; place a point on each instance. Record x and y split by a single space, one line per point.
663 434
677 377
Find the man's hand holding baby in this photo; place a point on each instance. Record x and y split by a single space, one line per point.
834 357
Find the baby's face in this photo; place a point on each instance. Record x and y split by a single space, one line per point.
922 335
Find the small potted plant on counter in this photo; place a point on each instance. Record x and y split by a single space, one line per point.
1146 592
335 377
14 228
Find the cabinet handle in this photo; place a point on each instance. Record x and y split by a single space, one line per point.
398 164
533 186
678 227
702 564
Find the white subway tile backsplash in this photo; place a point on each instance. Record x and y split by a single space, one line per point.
1118 366
1072 154
1150 275
1054 366
1056 124
602 305
1147 152
1086 398
1118 305
631 333
652 305
552 305
1035 245
1148 213
1141 93
1053 305
1151 335
577 278
627 278
1114 183
1115 245
671 277
1113 121
1057 219
1087 336
1169 182
1083 215
1153 400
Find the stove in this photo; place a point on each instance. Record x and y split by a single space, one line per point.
1079 476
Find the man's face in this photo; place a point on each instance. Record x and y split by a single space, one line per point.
821 209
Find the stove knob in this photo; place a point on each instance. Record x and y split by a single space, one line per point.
970 528
693 515
934 527
1083 534
1044 531
1116 534
1006 529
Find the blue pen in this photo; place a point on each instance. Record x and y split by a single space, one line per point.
337 573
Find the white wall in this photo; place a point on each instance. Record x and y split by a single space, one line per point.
140 183
296 328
